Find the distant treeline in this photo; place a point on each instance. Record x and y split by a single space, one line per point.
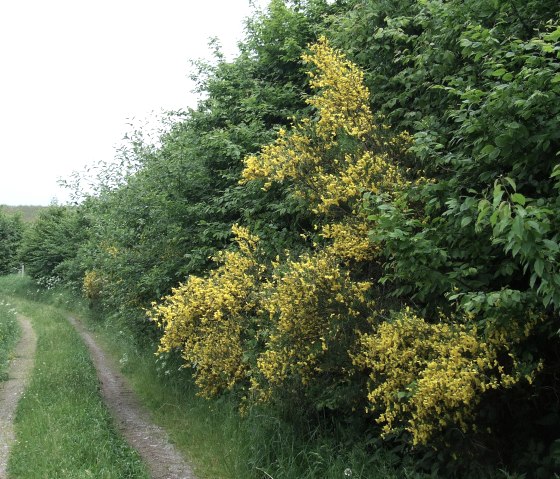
28 213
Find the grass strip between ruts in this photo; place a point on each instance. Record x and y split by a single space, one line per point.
9 335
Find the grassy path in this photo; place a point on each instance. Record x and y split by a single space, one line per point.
12 389
151 441
63 428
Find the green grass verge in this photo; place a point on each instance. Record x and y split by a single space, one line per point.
9 335
63 429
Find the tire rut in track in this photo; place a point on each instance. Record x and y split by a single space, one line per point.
12 389
150 440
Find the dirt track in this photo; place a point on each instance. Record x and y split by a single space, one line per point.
12 389
151 441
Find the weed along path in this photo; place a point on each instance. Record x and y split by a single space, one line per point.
151 441
12 389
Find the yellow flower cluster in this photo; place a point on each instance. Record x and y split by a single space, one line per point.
92 285
427 377
344 99
350 240
282 159
330 173
206 318
310 304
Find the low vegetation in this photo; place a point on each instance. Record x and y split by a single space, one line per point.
9 334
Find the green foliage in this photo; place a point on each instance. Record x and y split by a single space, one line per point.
478 88
11 231
9 334
49 244
476 84
528 230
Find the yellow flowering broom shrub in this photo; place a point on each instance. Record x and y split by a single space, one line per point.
307 310
312 304
334 159
207 318
346 151
426 378
92 285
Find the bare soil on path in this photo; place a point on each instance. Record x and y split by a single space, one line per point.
12 389
150 440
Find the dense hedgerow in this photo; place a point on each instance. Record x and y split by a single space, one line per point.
11 232
293 332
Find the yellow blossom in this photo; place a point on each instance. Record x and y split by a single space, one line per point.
313 157
310 304
206 318
427 377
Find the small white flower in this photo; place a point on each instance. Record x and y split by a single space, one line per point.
124 360
347 472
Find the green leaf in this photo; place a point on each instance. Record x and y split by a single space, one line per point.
494 218
518 198
517 227
551 245
465 221
488 149
503 140
539 266
511 182
483 205
497 196
553 36
533 280
499 72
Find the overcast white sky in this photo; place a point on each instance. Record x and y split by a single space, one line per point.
73 72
